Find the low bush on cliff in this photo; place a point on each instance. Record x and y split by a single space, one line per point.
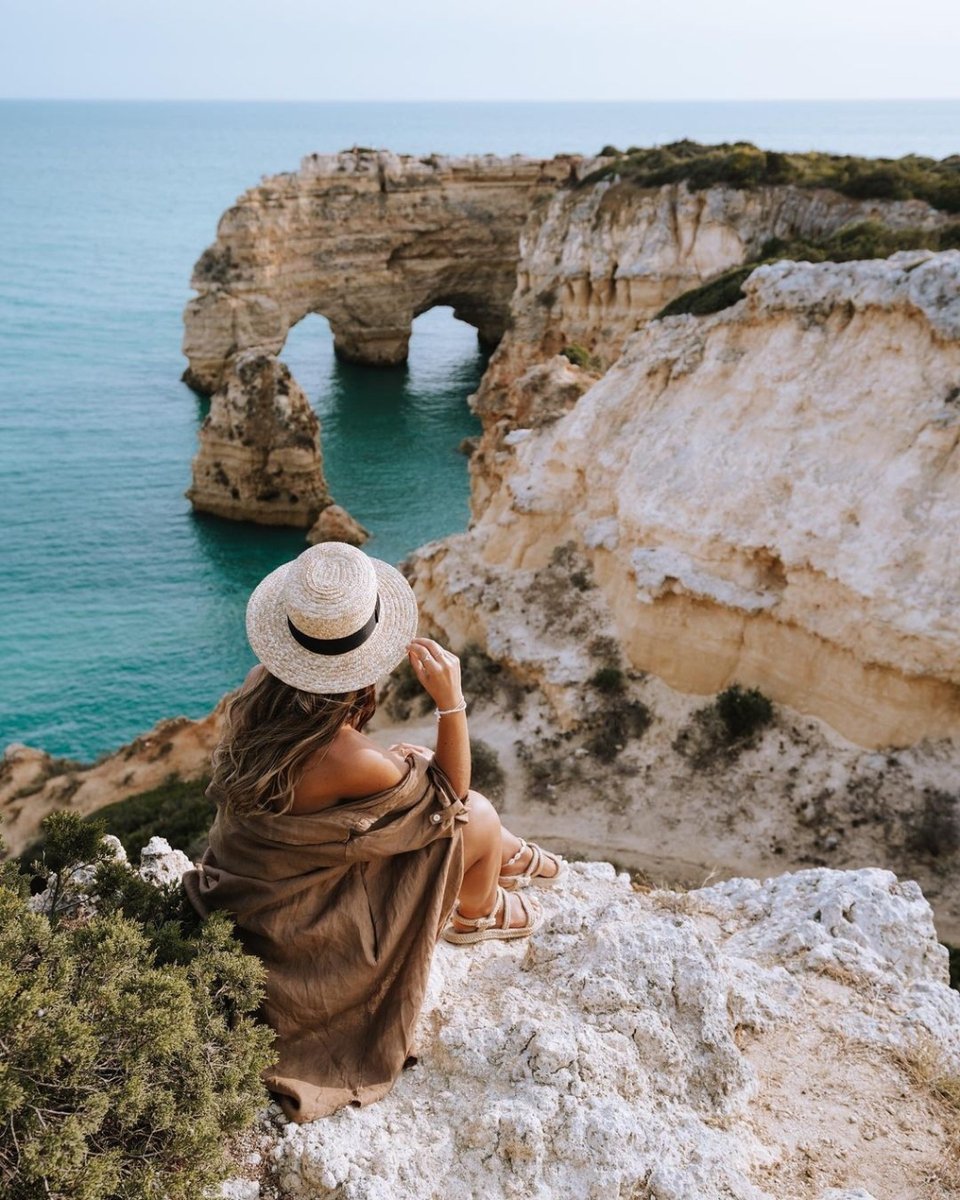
614 725
718 293
131 1045
486 773
177 810
403 695
610 680
743 711
744 165
865 239
718 732
580 356
934 830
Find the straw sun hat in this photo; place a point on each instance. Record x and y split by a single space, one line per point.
332 620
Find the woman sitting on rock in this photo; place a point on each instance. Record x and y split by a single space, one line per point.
340 861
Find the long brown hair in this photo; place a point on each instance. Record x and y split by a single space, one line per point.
271 730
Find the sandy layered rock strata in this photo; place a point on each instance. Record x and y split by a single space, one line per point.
769 494
596 262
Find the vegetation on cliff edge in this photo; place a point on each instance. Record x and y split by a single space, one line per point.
131 1043
864 239
176 809
744 165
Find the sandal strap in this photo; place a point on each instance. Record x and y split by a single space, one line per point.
516 857
490 918
527 916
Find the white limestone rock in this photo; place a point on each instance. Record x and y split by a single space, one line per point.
160 864
614 1053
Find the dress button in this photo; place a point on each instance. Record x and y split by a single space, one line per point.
436 817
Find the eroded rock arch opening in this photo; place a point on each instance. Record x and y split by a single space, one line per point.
343 450
392 438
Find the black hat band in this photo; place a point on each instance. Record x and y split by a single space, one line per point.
336 645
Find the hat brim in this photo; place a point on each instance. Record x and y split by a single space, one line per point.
283 656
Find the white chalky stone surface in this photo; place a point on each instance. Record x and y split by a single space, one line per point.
598 1058
161 864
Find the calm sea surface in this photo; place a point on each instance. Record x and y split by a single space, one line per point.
118 606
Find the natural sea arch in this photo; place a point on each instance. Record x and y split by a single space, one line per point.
391 437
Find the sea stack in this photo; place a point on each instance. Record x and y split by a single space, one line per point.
260 458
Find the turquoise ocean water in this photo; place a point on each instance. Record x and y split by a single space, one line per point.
118 606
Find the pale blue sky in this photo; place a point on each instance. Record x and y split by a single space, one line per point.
488 50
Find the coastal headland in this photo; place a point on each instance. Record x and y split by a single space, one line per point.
718 467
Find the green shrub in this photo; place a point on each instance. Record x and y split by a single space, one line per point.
478 671
486 774
722 729
954 952
720 292
578 355
864 239
608 679
935 830
403 693
615 725
744 165
131 1045
743 711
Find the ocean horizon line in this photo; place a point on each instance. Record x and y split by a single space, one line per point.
477 101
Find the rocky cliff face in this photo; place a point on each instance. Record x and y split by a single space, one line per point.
260 457
596 262
765 496
768 494
369 239
793 1038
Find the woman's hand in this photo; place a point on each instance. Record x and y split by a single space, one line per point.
406 747
437 669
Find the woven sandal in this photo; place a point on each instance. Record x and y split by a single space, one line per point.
530 875
485 928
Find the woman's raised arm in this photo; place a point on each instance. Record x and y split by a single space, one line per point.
439 672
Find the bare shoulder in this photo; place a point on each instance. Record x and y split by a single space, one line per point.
365 767
353 766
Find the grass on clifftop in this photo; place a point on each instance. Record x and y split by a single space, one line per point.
744 165
865 239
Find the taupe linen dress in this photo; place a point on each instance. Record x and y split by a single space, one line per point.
344 906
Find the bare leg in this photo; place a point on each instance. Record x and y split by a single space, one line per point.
486 846
511 844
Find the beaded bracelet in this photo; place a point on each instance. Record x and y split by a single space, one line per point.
443 712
